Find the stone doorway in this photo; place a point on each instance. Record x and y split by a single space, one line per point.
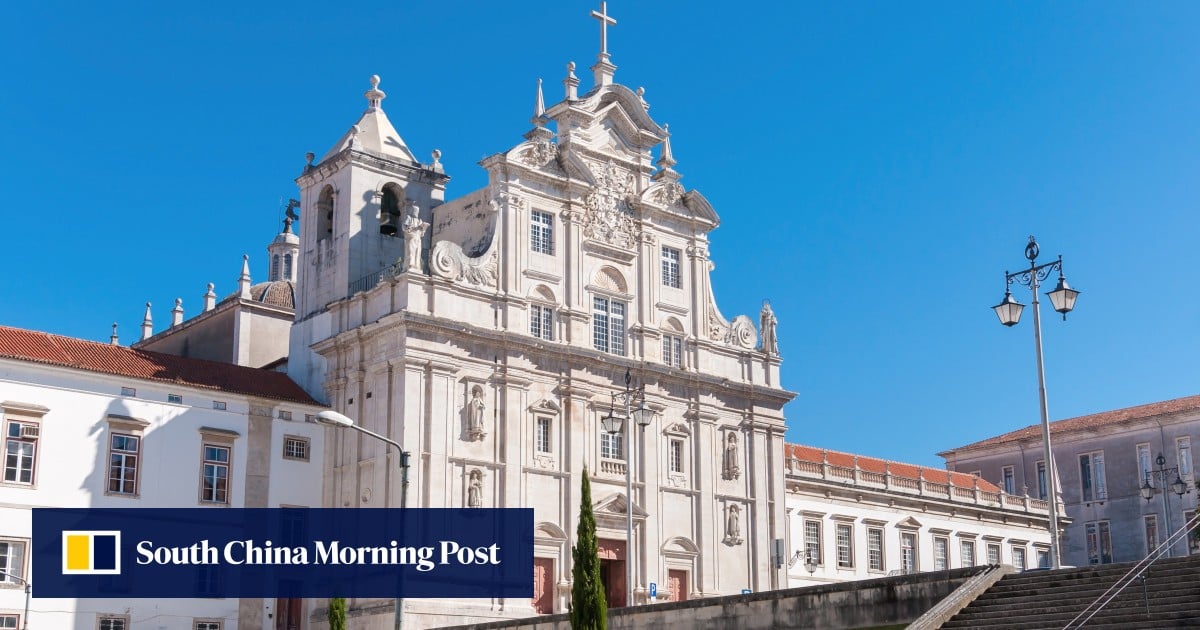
612 571
677 581
543 585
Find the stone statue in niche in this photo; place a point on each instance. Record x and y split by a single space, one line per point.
475 411
767 322
730 464
475 489
733 526
413 228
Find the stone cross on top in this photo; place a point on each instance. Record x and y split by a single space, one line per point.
603 70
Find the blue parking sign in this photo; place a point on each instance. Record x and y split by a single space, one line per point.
653 589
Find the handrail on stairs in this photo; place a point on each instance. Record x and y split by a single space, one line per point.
1132 574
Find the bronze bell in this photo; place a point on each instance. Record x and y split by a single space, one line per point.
391 223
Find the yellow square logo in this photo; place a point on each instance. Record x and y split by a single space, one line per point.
91 552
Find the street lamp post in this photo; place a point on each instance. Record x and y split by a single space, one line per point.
1009 311
634 400
1162 474
4 575
334 419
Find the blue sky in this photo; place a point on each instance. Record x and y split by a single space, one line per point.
877 167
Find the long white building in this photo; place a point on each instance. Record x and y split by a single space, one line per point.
98 425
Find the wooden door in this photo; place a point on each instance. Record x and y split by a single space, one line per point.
287 613
677 582
543 585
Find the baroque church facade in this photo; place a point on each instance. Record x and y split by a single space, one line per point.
488 334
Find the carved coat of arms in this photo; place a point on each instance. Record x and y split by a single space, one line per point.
609 217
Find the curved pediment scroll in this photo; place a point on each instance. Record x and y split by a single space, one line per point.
449 261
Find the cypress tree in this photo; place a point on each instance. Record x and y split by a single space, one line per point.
337 613
589 610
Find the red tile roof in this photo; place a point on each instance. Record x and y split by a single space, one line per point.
875 465
40 347
1093 421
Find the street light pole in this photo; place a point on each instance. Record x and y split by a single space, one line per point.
1009 311
1178 487
28 587
613 425
334 419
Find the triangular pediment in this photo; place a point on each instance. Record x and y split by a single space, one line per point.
615 505
909 523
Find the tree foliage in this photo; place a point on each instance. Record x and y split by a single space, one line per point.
337 613
589 609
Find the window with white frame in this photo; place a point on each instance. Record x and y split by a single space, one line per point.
611 445
941 553
908 552
1008 480
875 549
1143 464
20 450
1018 556
214 474
844 533
993 553
207 625
541 232
1043 558
1091 476
670 268
672 350
1099 542
9 622
1183 450
812 541
608 325
542 435
966 552
12 561
124 457
676 455
176 399
107 622
541 322
1041 479
1150 522
296 447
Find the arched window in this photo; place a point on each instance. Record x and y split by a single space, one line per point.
325 213
287 266
390 212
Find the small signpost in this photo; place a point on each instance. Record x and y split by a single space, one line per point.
653 592
746 591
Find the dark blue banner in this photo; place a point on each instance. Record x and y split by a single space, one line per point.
124 553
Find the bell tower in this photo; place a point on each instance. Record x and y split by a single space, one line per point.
352 204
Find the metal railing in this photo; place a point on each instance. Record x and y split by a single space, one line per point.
1132 574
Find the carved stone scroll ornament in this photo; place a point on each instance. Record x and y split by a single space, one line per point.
539 153
609 216
450 262
668 194
742 333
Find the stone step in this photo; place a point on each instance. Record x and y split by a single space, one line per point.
1042 577
1101 570
1186 583
1042 605
1190 610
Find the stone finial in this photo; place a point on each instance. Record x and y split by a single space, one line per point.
437 159
667 159
177 312
210 298
571 82
354 131
113 338
147 324
374 95
244 279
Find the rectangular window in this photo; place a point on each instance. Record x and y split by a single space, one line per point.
1151 527
12 561
966 552
20 451
541 322
123 458
9 622
993 553
608 325
207 583
1143 465
219 405
295 447
672 349
543 435
670 268
541 232
1091 476
128 391
214 474
111 623
1018 556
1099 542
1183 450
845 546
175 399
1009 480
1043 559
875 549
676 456
941 553
908 552
208 625
285 415
812 541
610 445
1042 480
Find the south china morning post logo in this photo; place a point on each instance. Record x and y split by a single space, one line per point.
91 552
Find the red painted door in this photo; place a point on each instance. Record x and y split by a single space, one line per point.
543 585
677 581
612 570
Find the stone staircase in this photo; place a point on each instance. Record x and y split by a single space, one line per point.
1050 599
